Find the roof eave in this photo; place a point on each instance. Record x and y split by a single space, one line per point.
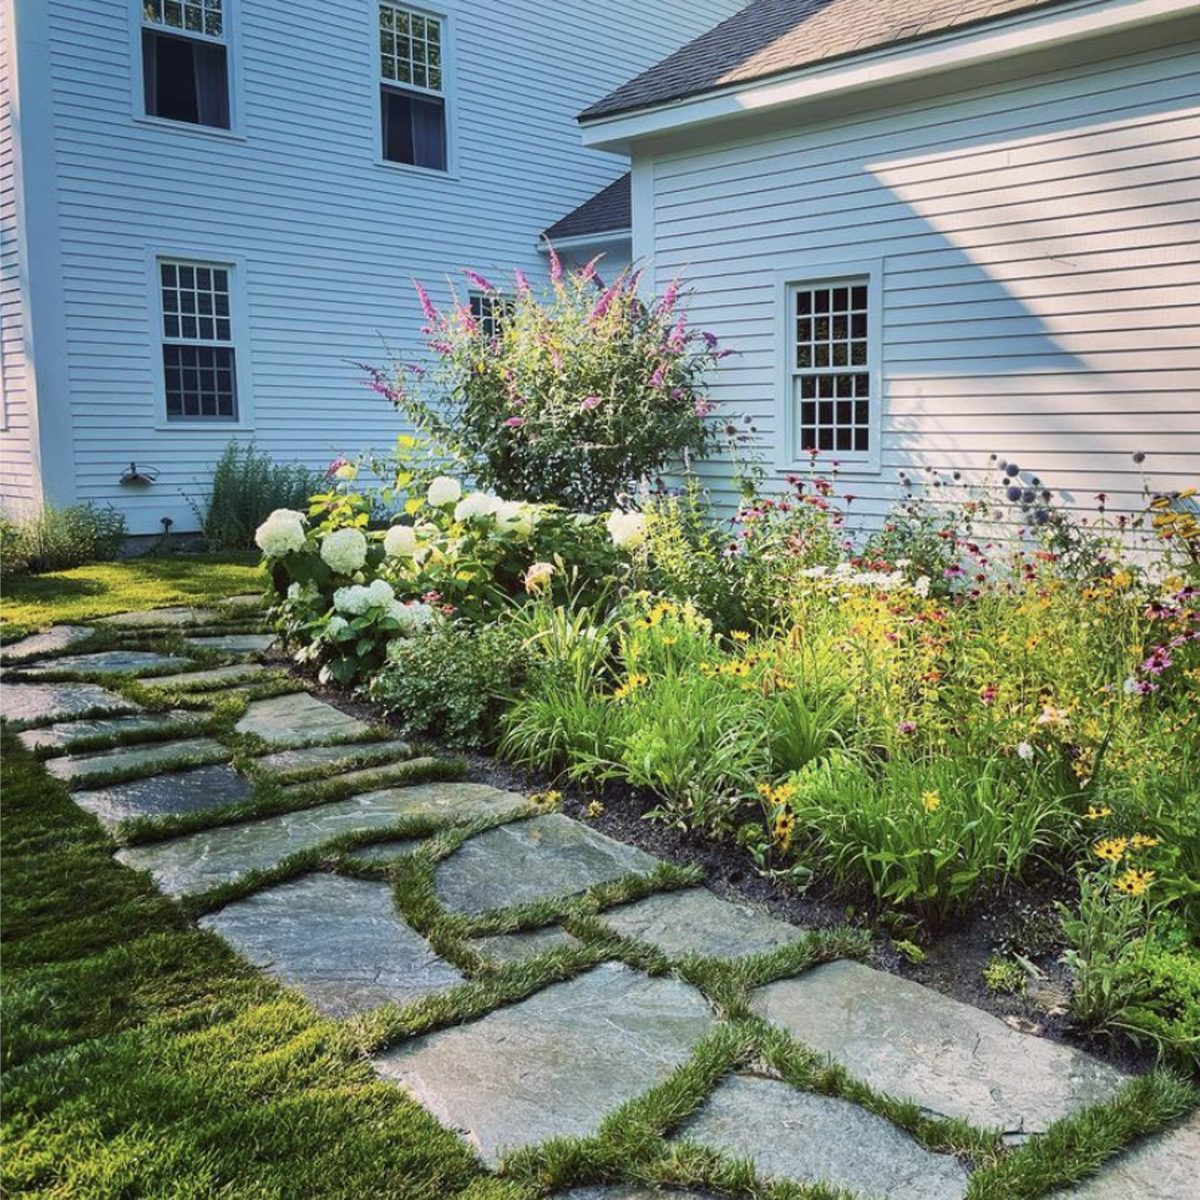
601 237
955 50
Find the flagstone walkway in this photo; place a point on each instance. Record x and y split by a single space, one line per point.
329 856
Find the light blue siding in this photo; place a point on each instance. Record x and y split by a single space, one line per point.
326 237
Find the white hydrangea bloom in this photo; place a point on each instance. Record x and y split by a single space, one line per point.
477 504
335 625
381 593
281 533
443 491
514 517
421 615
353 601
400 541
627 529
344 550
293 592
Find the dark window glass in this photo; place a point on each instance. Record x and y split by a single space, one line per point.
185 79
414 128
200 382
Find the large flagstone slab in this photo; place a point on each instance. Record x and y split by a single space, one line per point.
203 860
234 643
165 795
1166 1167
629 1191
290 762
214 677
556 1063
108 662
339 941
546 856
162 618
299 719
790 1134
65 733
503 948
145 757
696 921
950 1058
57 637
24 704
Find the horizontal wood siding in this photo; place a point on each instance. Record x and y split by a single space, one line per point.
18 483
1041 252
330 238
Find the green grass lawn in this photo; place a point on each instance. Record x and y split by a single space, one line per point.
142 1057
30 602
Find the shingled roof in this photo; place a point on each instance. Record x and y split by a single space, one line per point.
608 211
770 37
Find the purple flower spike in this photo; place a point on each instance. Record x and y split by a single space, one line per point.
427 307
479 281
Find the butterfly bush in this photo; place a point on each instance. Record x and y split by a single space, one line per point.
575 395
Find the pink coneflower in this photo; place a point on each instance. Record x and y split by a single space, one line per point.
907 728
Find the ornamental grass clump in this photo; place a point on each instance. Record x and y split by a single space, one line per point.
576 395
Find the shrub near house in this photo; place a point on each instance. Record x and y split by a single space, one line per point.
922 721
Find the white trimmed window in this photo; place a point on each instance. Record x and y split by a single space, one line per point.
489 312
185 61
412 85
199 358
832 375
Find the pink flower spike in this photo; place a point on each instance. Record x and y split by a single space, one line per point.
478 280
427 306
556 268
590 402
522 282
514 422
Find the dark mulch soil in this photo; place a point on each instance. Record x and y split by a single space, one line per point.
1019 920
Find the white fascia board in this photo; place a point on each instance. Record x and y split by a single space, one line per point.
952 51
606 237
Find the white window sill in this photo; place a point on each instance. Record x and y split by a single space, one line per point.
198 424
420 172
847 464
208 131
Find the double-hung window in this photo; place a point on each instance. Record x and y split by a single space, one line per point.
199 359
412 86
185 61
832 369
489 312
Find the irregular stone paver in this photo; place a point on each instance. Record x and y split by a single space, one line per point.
339 941
57 637
385 852
629 1191
161 618
512 947
235 643
199 861
67 732
789 1134
165 795
554 1064
948 1057
108 662
244 601
1166 1167
163 755
24 704
214 677
286 762
299 719
698 922
550 855
369 777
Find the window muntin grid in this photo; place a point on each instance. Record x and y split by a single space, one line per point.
410 48
199 361
831 377
187 16
489 312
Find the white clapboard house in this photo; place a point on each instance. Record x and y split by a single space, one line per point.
212 209
934 230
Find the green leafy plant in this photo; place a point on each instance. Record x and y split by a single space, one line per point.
247 485
1004 976
52 538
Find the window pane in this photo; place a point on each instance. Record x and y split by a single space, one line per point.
414 129
831 349
185 80
200 382
196 16
410 46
